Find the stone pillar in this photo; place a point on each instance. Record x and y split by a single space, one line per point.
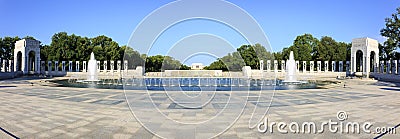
49 65
347 66
55 65
3 66
340 66
268 65
394 69
275 65
319 66
311 66
84 66
105 66
70 66
119 65
98 66
283 66
304 66
126 65
326 66
388 67
43 66
112 65
261 65
297 66
11 65
398 67
77 66
382 67
333 66
37 68
63 66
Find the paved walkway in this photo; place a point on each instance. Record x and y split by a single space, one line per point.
34 111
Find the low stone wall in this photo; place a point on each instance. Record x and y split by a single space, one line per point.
7 75
255 74
386 77
106 74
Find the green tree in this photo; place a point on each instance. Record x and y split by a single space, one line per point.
159 63
133 57
304 48
7 45
392 31
326 49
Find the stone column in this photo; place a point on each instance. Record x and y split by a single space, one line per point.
261 65
326 66
297 66
382 67
333 66
347 66
340 66
119 65
63 66
55 65
394 69
77 66
84 66
126 65
398 67
112 65
105 66
98 66
275 65
388 67
268 65
50 66
3 66
283 66
319 66
43 66
304 66
37 65
311 66
11 65
70 66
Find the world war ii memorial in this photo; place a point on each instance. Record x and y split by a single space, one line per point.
200 69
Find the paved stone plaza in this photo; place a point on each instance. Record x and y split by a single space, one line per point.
35 111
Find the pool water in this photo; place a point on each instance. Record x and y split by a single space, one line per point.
188 84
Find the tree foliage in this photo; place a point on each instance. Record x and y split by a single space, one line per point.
245 55
392 33
160 63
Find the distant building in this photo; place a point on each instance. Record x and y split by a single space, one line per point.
197 66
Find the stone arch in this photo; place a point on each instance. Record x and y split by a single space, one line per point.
31 61
18 62
369 49
27 56
373 61
359 61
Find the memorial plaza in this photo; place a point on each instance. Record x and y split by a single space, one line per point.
361 103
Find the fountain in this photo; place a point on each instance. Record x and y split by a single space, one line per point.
291 71
92 69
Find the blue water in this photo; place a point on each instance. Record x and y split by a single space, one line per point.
189 84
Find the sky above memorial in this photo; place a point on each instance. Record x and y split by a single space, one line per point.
281 20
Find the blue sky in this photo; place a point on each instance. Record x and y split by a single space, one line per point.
281 20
